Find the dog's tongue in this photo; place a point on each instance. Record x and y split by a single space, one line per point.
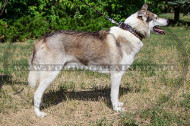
160 31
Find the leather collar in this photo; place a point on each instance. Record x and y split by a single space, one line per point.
133 31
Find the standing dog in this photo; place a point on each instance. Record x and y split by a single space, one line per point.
118 45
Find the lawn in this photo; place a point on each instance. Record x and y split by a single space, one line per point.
155 90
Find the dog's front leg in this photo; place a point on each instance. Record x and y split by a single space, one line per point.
115 83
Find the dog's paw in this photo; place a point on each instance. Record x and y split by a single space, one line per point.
41 114
118 109
120 104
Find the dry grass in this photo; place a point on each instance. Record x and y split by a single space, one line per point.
151 97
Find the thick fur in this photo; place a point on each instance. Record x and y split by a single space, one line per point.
112 47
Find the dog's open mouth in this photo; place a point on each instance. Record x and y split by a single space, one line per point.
158 30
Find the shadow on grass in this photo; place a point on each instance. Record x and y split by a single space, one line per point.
4 79
7 80
55 97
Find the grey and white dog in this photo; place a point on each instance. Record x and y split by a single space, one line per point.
118 45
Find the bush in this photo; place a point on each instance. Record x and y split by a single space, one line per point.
25 19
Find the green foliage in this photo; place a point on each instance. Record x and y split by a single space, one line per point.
20 30
25 19
183 4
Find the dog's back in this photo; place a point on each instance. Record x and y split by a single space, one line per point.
64 47
84 47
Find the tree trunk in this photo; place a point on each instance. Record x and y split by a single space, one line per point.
53 2
177 12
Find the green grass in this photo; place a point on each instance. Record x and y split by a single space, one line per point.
186 102
151 96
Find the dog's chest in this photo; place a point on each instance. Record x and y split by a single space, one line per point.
127 59
139 45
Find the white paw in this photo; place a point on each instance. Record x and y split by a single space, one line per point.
120 104
118 109
41 114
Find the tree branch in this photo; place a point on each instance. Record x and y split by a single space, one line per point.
3 7
2 36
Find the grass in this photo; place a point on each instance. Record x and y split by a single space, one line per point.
152 96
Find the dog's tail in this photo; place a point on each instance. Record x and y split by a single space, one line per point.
34 73
33 78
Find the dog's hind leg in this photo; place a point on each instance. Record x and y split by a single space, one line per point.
115 83
45 80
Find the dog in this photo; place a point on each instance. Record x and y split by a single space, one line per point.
116 46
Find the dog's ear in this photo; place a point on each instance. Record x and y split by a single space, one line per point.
144 7
141 14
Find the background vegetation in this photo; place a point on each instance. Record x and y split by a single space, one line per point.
30 19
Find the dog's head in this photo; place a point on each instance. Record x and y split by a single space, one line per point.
146 22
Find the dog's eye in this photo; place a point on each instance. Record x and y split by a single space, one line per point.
156 17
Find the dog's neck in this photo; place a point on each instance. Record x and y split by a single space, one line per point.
133 31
